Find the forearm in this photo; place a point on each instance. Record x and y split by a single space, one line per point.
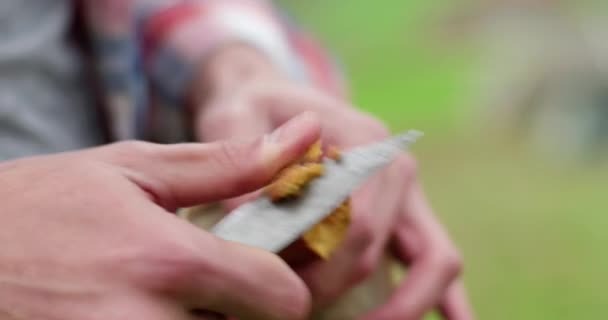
241 78
184 53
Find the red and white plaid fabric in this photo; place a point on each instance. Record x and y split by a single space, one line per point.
147 50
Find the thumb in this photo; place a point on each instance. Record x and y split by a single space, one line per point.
193 173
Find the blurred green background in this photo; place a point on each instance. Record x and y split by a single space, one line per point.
533 231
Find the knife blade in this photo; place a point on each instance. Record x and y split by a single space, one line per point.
273 226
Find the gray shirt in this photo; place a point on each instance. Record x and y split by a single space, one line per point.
45 106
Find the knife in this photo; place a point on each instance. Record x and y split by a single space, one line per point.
273 226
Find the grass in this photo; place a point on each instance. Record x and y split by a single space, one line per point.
532 233
391 74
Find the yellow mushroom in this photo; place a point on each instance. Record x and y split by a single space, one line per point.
324 237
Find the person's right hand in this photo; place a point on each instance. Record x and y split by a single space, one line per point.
89 234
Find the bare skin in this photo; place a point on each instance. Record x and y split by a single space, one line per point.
242 94
90 234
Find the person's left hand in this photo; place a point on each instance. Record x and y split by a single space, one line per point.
388 212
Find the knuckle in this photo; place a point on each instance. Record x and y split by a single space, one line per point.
163 265
453 264
231 157
361 234
245 161
183 264
447 261
259 98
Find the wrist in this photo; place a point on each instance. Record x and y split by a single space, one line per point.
228 69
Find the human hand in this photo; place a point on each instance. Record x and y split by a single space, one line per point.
89 234
389 211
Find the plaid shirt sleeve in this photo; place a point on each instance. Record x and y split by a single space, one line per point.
147 51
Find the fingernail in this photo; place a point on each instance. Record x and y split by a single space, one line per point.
291 127
298 132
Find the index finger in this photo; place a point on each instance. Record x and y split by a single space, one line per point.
194 173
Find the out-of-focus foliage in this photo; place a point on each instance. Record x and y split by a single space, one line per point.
532 229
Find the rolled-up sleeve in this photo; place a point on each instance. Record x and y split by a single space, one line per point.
178 36
148 52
